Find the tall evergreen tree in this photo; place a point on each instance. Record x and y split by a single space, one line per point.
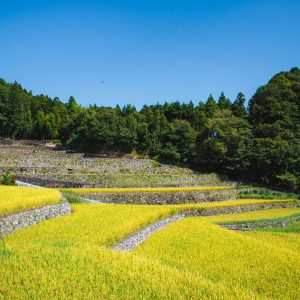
210 106
238 106
223 102
274 113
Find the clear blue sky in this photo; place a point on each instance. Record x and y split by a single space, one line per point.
146 51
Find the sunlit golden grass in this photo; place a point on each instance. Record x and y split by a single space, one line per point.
148 190
95 224
289 241
86 219
70 258
237 260
94 272
14 199
67 258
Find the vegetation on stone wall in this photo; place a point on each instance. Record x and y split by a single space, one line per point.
7 179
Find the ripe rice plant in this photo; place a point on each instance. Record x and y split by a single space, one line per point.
15 199
71 258
277 239
148 190
71 252
239 261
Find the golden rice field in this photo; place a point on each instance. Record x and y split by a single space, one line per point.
148 190
277 239
71 257
264 264
15 199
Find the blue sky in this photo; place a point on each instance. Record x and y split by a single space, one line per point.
146 51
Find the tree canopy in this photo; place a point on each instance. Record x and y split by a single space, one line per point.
259 143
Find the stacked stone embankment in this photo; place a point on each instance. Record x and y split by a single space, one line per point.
137 238
132 241
255 225
166 197
33 162
239 209
13 222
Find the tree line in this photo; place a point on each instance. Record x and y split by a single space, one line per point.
260 142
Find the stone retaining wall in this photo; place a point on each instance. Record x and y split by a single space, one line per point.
260 224
6 142
13 222
133 240
137 238
51 179
239 209
165 197
50 183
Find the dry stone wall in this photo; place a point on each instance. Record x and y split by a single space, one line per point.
239 209
81 180
13 222
130 242
247 226
34 163
50 183
137 238
165 197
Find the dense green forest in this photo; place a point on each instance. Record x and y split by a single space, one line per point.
260 142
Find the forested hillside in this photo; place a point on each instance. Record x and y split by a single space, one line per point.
259 143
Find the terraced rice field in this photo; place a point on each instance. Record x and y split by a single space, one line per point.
84 191
72 257
15 199
269 214
253 263
45 166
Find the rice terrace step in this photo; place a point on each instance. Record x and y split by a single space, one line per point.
109 230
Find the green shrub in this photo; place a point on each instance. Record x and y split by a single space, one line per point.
288 181
155 164
124 170
7 179
265 194
72 198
